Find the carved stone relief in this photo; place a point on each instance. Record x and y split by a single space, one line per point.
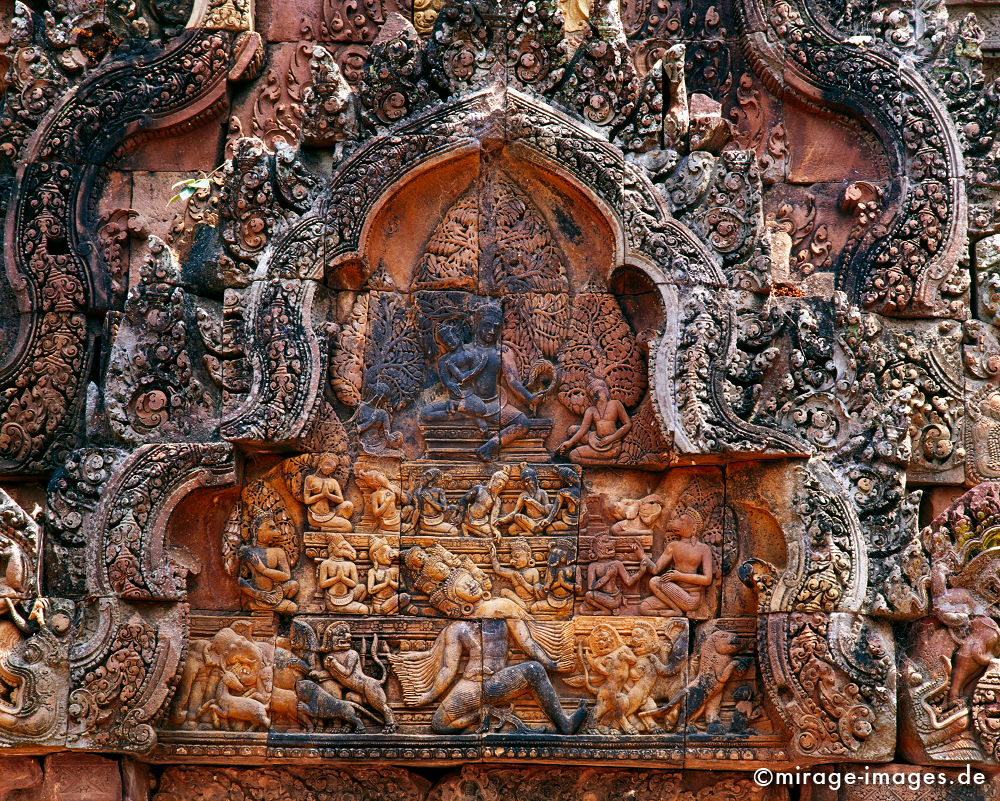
565 382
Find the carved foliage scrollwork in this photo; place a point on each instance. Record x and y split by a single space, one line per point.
128 527
106 699
153 389
55 279
913 267
820 643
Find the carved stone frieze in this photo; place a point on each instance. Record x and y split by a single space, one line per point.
588 384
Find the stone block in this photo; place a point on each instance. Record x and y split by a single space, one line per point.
18 775
81 777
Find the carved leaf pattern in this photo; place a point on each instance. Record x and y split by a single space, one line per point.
601 345
451 257
347 361
393 353
535 327
520 254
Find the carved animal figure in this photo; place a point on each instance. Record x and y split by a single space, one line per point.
284 702
557 590
718 661
317 705
230 655
238 700
343 667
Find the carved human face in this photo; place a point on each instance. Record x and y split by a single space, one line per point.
468 590
438 571
379 392
603 639
498 481
489 330
559 555
604 547
384 554
520 556
643 640
992 405
327 465
598 391
449 338
681 526
267 532
568 476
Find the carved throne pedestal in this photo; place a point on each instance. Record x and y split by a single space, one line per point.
459 441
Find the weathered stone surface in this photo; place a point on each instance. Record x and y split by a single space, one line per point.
80 777
19 774
465 386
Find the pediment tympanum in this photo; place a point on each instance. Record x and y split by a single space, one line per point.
585 383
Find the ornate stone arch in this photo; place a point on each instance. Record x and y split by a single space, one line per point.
52 265
914 265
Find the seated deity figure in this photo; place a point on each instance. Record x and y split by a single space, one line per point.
606 575
482 507
383 578
555 593
564 517
679 590
430 508
467 670
458 364
522 573
382 498
338 577
598 438
324 499
265 574
374 425
483 383
531 512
